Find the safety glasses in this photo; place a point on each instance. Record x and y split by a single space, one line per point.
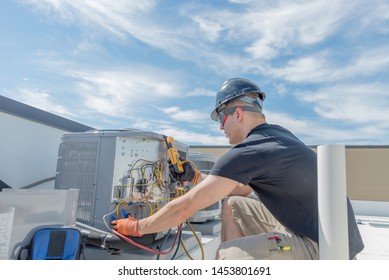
222 116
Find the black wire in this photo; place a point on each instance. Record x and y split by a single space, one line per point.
163 242
38 183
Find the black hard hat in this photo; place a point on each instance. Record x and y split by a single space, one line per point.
236 88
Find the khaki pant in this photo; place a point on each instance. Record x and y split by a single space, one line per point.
265 238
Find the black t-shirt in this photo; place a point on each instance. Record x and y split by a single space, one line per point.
283 172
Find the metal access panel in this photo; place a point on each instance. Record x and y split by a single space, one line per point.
118 173
204 163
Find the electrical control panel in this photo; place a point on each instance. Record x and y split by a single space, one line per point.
119 173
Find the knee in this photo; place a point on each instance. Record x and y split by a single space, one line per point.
226 212
226 205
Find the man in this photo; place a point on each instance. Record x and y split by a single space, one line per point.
282 171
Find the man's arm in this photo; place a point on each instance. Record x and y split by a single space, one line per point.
242 190
210 190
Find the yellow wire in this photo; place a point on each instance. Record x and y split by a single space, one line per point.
198 241
150 206
179 193
197 238
157 172
185 250
134 199
145 163
191 162
117 207
194 181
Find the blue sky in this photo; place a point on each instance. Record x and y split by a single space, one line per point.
157 65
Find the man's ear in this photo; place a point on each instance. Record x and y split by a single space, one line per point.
239 113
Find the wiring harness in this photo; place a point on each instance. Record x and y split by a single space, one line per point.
148 184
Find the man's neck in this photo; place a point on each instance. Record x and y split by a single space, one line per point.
253 124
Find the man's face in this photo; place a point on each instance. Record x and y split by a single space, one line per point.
229 124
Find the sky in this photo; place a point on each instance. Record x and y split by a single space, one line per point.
157 65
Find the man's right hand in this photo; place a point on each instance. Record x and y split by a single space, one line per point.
190 174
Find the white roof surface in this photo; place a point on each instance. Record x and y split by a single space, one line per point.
375 235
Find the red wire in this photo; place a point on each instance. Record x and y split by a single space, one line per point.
147 248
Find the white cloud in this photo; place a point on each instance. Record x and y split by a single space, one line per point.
276 29
283 119
367 63
123 91
211 28
353 103
317 132
286 24
187 136
115 17
265 30
201 92
40 99
86 47
322 67
119 19
309 69
184 115
241 1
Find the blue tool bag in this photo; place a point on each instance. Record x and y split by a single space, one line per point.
55 244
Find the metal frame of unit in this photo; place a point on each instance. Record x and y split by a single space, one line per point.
204 163
118 172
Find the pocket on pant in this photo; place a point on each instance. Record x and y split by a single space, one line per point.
279 248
